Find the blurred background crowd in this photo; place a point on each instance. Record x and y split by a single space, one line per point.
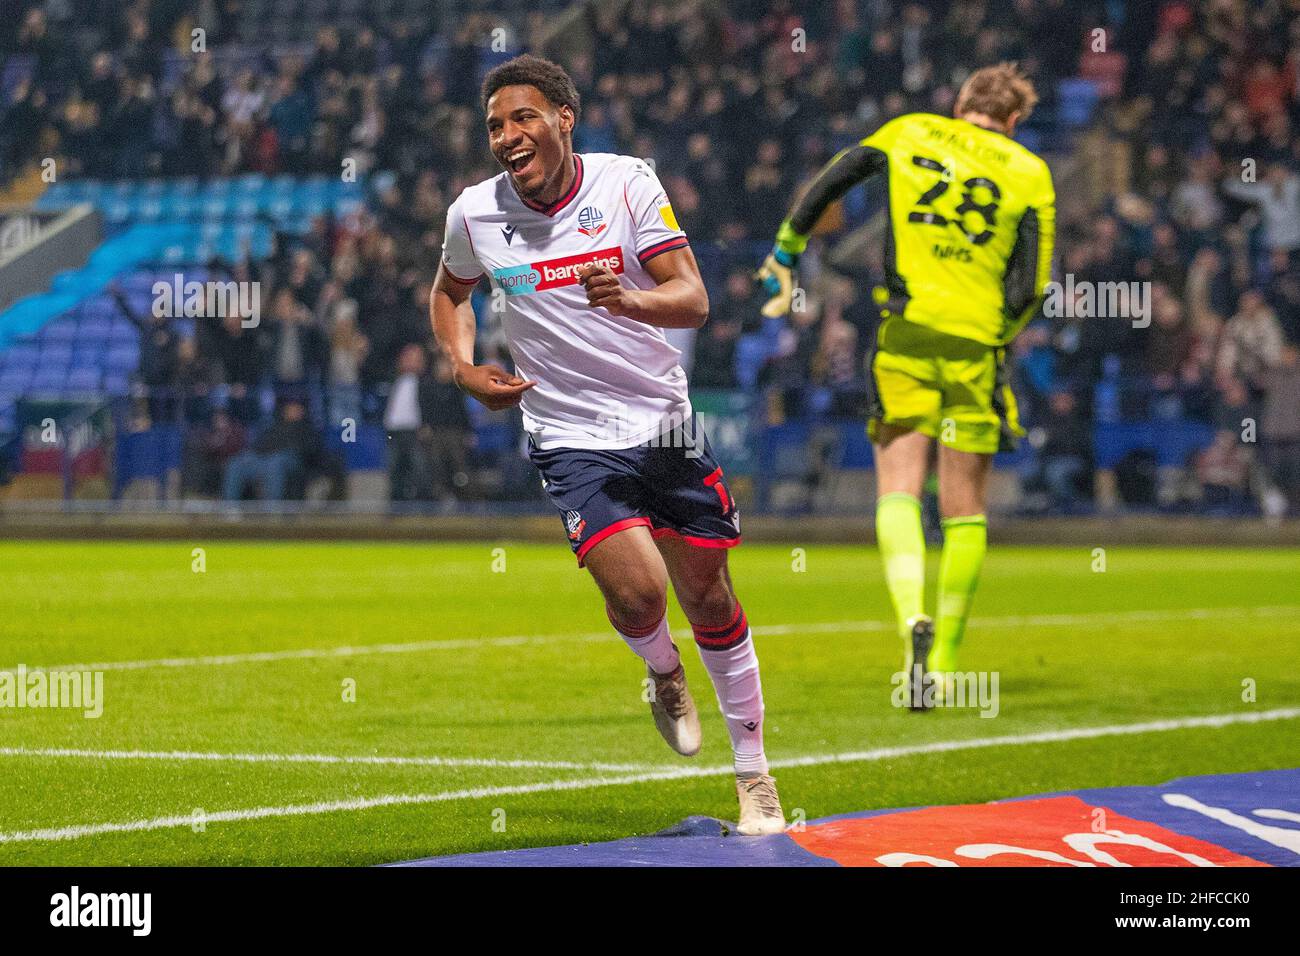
1170 126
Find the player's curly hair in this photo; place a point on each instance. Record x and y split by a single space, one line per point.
997 91
549 78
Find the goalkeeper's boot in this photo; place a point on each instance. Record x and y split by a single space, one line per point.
674 711
760 807
921 640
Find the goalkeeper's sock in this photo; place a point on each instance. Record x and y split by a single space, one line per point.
965 541
902 547
653 644
728 656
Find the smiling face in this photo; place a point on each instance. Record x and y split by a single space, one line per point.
530 138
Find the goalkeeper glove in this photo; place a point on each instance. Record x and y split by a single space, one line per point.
777 279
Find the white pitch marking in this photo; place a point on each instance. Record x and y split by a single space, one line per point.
309 653
191 755
671 773
1103 619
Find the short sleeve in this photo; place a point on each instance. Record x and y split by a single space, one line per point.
458 259
652 214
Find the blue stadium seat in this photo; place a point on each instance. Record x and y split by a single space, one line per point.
783 449
367 453
15 380
1172 442
122 357
122 331
87 354
21 355
95 331
1077 99
55 355
99 308
83 380
47 380
147 454
250 184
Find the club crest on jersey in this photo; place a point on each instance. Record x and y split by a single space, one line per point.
575 524
591 221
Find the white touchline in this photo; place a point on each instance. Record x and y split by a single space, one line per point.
1101 619
670 773
308 653
194 755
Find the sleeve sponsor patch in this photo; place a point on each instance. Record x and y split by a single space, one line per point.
667 215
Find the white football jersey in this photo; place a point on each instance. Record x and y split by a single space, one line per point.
603 381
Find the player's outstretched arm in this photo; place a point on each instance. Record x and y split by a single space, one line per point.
848 168
453 330
678 301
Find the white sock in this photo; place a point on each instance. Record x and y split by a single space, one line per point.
734 671
654 646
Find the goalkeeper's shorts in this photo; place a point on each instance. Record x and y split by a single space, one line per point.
952 389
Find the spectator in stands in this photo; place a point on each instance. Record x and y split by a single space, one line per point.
305 278
837 366
790 365
159 348
1065 456
241 104
209 446
409 408
237 354
192 380
1195 203
348 348
715 353
1277 197
1233 406
298 351
446 432
280 454
1034 367
37 38
1279 426
1252 341
1283 293
1166 264
290 115
1169 349
1223 470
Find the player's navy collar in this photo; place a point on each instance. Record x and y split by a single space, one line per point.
564 200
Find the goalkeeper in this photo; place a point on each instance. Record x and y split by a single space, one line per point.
967 259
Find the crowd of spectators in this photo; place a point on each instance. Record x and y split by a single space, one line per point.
1184 178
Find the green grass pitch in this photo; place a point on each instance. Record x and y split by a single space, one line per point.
1160 634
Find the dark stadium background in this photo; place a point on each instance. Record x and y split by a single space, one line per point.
229 163
402 662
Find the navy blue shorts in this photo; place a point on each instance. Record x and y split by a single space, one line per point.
672 485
